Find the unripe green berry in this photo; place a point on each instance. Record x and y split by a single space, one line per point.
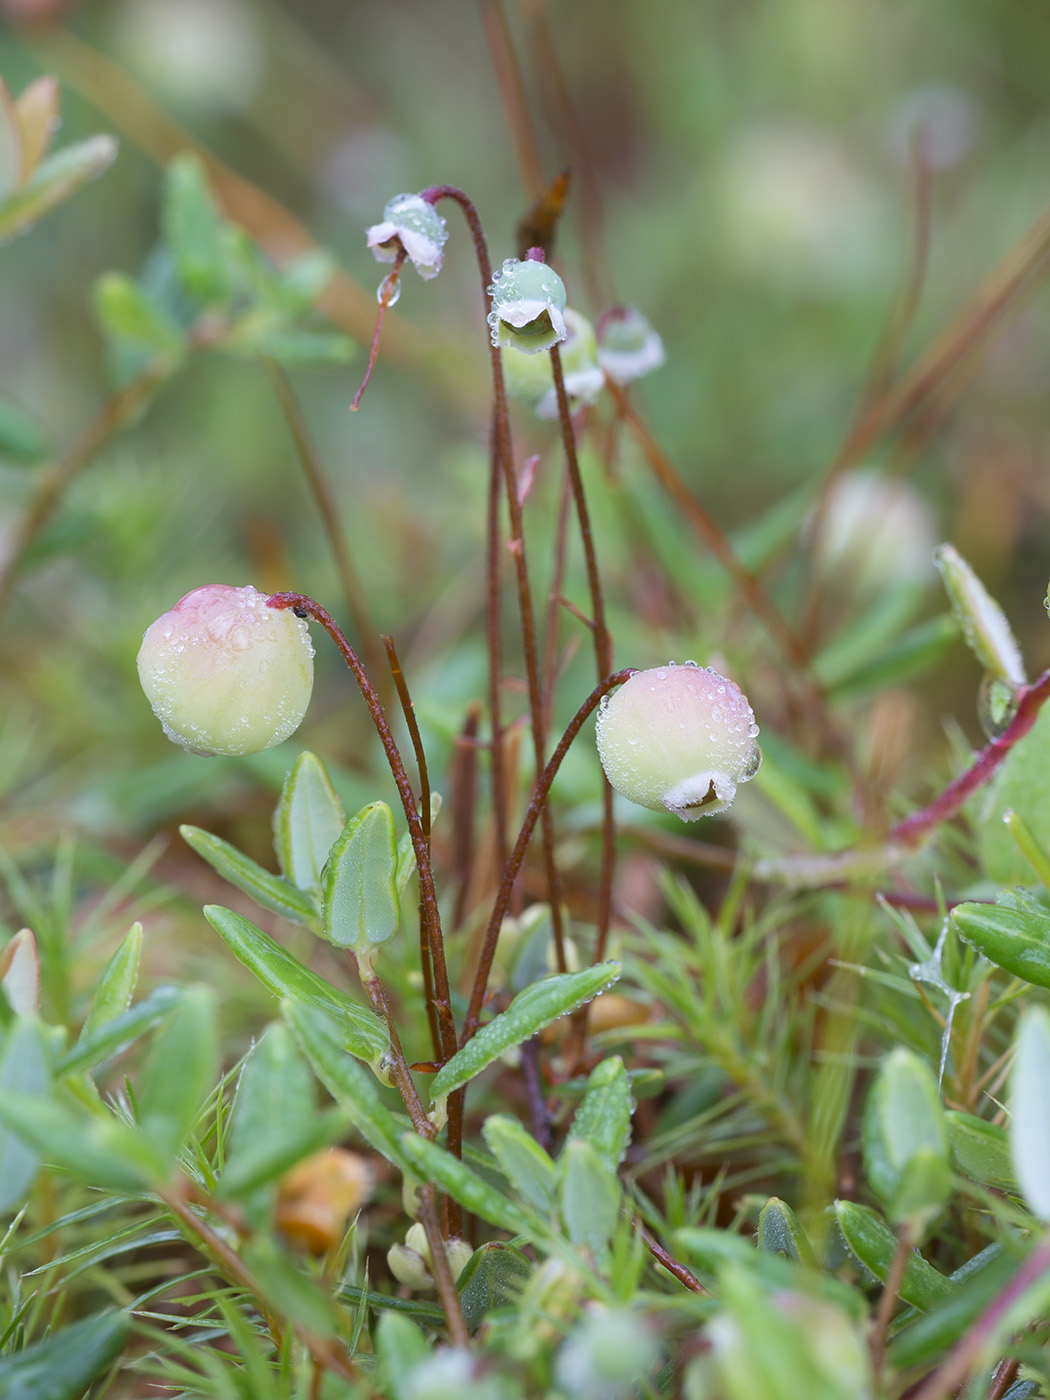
224 673
528 305
678 739
412 225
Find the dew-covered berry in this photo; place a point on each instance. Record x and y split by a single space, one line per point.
224 673
678 739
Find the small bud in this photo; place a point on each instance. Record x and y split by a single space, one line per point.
678 738
410 224
410 1262
224 673
317 1198
528 302
459 1255
20 974
874 533
628 347
530 379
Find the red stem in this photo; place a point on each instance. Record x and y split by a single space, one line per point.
386 292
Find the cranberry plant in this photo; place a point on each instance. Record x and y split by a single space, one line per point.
562 1041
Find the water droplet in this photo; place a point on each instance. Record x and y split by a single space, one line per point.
395 292
694 664
661 675
996 705
753 730
753 764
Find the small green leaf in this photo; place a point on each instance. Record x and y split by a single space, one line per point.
1030 1110
537 1006
195 231
522 1161
402 1347
906 1140
875 1246
252 1171
303 280
117 1034
494 1276
290 1291
129 316
180 1071
352 1088
95 1148
308 819
779 1232
305 347
363 1034
982 620
275 1088
980 1150
589 1196
1013 933
116 986
359 900
463 1184
53 182
268 890
23 1068
61 1366
604 1117
21 438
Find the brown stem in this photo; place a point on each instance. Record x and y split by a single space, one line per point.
494 639
55 480
386 292
354 594
603 650
512 91
915 829
445 1283
307 607
888 1301
324 1352
398 1064
537 802
670 1263
505 455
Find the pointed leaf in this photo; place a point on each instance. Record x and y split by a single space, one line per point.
129 315
1030 1110
537 1006
359 899
116 986
180 1071
875 1245
194 231
522 1160
355 1091
363 1034
95 1148
55 181
1014 933
463 1184
61 1366
20 974
37 119
930 1337
589 1196
604 1117
981 1150
982 620
268 890
21 438
308 819
116 1035
23 1068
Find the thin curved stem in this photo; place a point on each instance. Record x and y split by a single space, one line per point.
537 803
386 296
307 607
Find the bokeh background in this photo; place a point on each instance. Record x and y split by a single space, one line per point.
757 177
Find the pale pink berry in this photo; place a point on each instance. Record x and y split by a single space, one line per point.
224 673
678 739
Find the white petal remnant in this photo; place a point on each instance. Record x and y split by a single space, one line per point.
529 377
678 739
874 533
628 347
528 305
224 673
410 224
